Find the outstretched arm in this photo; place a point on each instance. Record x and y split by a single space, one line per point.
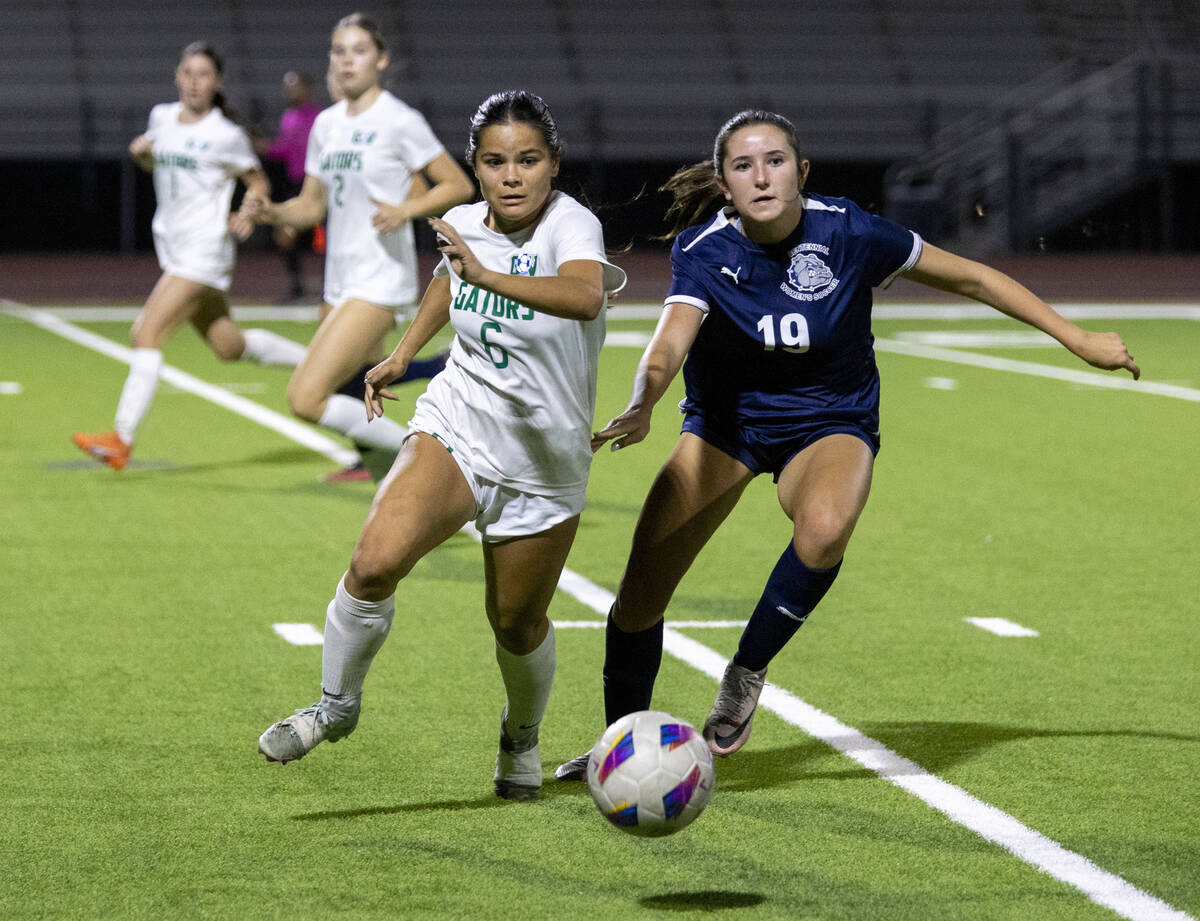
674 335
302 212
432 315
948 272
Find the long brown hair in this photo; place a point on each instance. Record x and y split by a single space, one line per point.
208 51
694 189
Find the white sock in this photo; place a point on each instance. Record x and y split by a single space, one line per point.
138 392
354 632
527 682
346 415
264 347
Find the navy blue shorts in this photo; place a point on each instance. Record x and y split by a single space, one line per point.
769 448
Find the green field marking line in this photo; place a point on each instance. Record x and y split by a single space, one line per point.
1099 885
248 409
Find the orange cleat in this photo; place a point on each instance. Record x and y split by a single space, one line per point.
106 447
356 474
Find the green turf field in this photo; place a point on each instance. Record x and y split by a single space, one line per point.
141 663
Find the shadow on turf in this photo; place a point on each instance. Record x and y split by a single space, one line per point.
711 900
450 805
934 746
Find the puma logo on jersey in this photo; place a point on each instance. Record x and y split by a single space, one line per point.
725 270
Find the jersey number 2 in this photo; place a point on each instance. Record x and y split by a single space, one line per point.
793 332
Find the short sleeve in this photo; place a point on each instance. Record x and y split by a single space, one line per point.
685 286
892 249
312 155
417 143
155 120
578 235
239 156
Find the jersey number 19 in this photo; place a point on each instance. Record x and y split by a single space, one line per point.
793 332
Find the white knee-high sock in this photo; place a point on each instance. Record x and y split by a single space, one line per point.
354 632
527 682
346 415
138 392
264 347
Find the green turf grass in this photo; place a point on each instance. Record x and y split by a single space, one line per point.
141 665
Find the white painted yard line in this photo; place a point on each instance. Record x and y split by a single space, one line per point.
300 634
1000 626
987 821
10 388
650 310
675 624
1110 381
1046 855
248 409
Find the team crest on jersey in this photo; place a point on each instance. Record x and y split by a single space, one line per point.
808 277
193 144
362 137
524 264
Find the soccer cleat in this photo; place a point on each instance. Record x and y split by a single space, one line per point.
295 736
575 769
728 725
518 767
106 447
356 474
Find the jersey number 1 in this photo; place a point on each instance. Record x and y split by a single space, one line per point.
793 332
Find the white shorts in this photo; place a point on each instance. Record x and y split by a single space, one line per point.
403 313
207 262
501 511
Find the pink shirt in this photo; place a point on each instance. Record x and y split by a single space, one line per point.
292 143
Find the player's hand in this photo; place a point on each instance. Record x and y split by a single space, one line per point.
462 260
256 208
1106 351
240 225
629 428
389 218
376 381
141 146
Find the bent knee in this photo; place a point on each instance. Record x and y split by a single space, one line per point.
306 401
372 576
821 536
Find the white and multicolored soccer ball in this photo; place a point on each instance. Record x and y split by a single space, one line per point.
650 773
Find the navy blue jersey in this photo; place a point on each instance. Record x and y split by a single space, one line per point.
788 328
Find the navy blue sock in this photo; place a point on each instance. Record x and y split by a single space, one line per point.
792 588
418 369
631 662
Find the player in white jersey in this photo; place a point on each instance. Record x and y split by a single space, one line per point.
363 154
196 155
501 438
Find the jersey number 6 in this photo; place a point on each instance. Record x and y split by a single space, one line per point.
793 332
495 352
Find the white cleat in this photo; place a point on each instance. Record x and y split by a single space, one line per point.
295 736
518 767
575 769
728 725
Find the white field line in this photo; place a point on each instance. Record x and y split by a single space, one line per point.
650 311
1048 856
1000 626
1110 381
300 634
248 409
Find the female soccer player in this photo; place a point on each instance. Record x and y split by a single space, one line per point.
196 155
501 437
770 304
363 153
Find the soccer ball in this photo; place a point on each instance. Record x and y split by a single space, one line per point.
650 773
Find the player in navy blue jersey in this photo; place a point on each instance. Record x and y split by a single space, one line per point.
769 315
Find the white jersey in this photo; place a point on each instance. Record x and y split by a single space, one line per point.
195 169
373 154
519 388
